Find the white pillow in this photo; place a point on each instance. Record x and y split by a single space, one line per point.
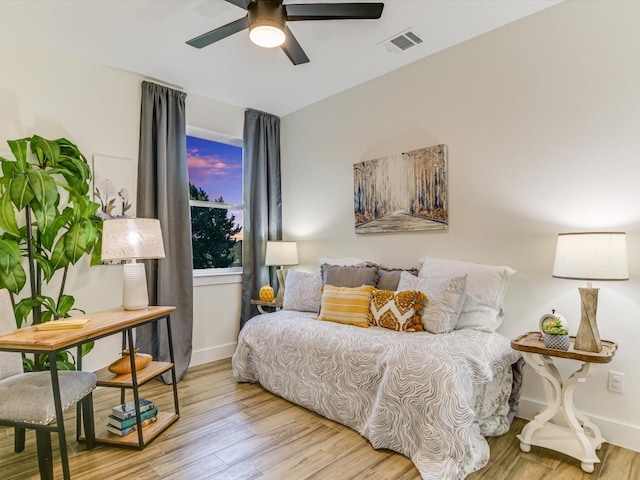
444 300
486 288
302 291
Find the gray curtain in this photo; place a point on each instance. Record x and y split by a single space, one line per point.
262 203
163 193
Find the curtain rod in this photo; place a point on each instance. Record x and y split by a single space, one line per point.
164 84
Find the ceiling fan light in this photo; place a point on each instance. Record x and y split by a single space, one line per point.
268 35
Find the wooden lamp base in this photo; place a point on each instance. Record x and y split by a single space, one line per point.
588 337
281 279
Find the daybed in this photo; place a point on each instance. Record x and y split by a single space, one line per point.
430 396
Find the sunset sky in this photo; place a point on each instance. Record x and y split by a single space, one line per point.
216 168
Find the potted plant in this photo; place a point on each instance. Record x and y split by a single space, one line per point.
556 334
48 223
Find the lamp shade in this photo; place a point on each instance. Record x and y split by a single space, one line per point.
281 253
591 256
131 238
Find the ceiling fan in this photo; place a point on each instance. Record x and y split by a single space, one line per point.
267 22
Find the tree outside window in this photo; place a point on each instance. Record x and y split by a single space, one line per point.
215 191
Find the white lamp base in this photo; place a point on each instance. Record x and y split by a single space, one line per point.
134 287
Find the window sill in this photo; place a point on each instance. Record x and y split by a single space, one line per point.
203 279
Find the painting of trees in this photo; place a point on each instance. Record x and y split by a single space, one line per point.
402 192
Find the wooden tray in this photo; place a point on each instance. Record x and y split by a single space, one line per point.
532 342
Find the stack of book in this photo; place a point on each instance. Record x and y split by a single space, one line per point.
123 421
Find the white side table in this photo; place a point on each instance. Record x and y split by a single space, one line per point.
579 438
260 305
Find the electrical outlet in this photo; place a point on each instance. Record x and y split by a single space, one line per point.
616 381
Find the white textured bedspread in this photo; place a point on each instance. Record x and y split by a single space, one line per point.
415 393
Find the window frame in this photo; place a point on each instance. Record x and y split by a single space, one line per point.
202 273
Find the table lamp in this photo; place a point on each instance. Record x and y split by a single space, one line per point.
132 239
280 254
590 256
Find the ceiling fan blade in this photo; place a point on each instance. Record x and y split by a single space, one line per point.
240 3
334 11
293 49
220 33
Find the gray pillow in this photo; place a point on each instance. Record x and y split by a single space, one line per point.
389 278
350 277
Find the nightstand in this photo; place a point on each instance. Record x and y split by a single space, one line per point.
271 305
579 437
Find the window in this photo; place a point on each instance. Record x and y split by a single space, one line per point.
215 191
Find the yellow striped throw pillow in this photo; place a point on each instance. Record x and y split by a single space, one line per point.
346 305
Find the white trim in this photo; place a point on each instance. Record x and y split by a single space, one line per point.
205 204
203 278
617 433
211 354
215 136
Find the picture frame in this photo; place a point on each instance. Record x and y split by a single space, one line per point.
404 192
113 186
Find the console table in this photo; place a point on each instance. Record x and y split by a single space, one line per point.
579 438
103 324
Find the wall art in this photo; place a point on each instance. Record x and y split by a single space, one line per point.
113 186
403 192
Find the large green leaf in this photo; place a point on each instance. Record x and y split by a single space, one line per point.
70 149
23 309
65 304
8 221
87 347
48 302
63 218
19 150
45 266
76 167
96 255
12 275
44 187
75 243
59 257
45 217
47 151
8 168
91 233
20 191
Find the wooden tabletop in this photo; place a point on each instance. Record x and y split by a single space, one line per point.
266 304
533 342
106 322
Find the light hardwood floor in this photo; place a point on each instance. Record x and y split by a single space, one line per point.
241 432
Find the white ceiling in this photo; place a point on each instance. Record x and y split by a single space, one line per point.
148 37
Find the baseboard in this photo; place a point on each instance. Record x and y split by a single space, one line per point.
206 355
616 433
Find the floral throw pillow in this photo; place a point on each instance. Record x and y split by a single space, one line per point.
397 310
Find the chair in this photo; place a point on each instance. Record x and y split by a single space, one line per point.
26 400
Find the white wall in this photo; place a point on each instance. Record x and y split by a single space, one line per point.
542 120
98 108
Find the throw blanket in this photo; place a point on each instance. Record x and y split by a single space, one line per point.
415 393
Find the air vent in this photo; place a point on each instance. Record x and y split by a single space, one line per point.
401 41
